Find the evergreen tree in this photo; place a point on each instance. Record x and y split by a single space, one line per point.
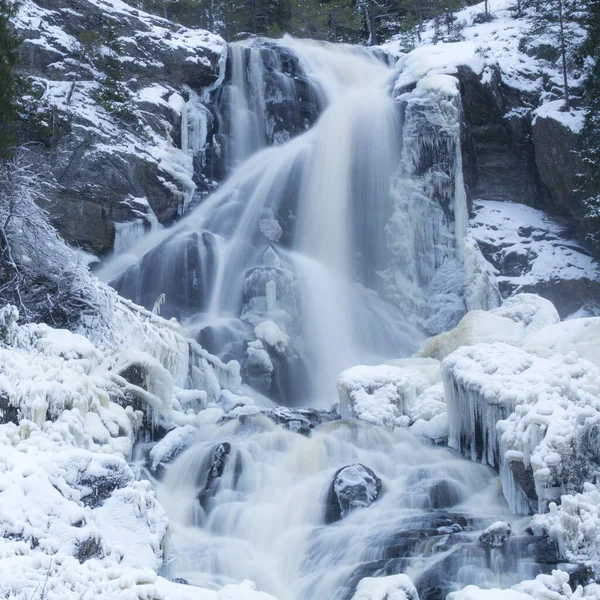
10 83
554 19
591 130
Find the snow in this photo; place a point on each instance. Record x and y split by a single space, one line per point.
574 524
573 120
477 326
579 336
270 333
382 395
70 84
487 48
75 524
520 233
543 587
523 413
531 310
496 534
393 587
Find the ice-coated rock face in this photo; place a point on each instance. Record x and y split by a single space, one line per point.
536 419
353 487
496 534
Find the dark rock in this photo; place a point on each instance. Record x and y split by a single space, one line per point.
354 486
90 548
560 168
494 145
220 457
300 420
434 493
8 412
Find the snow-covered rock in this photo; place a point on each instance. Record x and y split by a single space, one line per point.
384 395
354 486
141 132
393 587
496 534
533 418
574 524
531 252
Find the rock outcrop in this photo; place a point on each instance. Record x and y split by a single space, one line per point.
114 115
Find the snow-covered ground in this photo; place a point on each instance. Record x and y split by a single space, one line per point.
529 247
486 45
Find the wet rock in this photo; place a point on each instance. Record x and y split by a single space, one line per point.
354 486
300 420
496 534
220 457
434 494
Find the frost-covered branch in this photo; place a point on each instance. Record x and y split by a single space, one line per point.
38 272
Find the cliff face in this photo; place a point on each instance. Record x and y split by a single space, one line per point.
109 86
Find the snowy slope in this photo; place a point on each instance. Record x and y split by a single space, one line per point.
75 523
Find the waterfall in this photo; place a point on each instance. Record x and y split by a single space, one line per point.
336 238
330 224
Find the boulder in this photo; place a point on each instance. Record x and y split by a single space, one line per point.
354 486
496 534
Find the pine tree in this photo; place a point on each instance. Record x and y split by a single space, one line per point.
591 130
552 19
10 82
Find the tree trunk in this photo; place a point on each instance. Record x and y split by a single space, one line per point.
564 55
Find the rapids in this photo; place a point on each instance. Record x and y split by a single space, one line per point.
265 518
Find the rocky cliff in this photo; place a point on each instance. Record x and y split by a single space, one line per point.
109 89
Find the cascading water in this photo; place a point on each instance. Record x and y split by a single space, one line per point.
328 239
250 500
304 219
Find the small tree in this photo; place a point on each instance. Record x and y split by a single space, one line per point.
39 273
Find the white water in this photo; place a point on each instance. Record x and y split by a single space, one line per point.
266 520
329 189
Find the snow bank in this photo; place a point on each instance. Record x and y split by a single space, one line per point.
543 587
393 587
